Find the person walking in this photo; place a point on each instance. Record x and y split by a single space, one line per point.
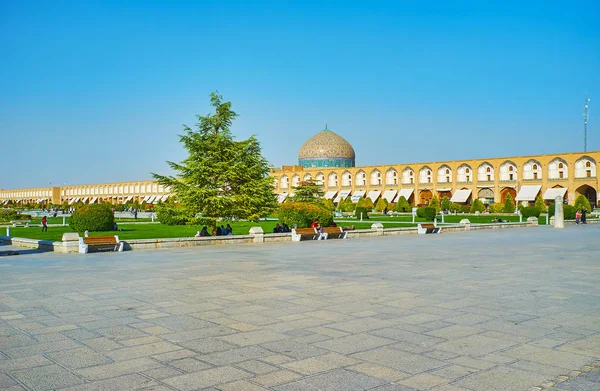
577 217
44 224
583 217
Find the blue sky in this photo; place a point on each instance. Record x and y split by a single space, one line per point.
97 91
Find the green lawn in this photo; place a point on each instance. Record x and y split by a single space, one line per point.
155 231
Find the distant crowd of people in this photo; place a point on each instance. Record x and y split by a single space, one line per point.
216 231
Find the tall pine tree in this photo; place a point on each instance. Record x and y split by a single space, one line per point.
221 177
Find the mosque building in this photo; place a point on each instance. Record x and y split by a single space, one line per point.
329 159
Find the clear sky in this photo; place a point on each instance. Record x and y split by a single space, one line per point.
97 91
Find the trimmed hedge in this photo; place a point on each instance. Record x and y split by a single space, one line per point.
363 210
530 211
172 216
568 211
427 213
302 214
93 217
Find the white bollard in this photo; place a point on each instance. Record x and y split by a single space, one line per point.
152 215
64 221
8 231
86 233
361 216
559 215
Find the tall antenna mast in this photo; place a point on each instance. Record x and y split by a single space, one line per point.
586 107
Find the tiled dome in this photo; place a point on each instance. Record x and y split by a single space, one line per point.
326 149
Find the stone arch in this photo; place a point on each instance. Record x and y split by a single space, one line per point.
585 167
444 174
307 177
361 178
391 176
408 176
347 178
275 183
332 179
532 170
558 168
508 171
486 195
425 175
375 178
485 172
464 173
425 197
284 183
508 190
589 192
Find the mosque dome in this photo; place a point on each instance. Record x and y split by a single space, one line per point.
326 149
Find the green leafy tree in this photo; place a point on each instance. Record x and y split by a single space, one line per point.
403 205
445 203
539 203
509 204
381 205
435 203
328 204
582 202
308 191
477 206
367 203
221 177
346 205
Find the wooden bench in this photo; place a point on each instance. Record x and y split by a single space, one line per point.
428 229
299 234
19 223
100 243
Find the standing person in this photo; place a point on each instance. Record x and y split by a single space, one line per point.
44 224
135 214
577 217
229 230
583 217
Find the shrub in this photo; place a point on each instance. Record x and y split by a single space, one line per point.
363 210
426 212
477 206
568 211
302 214
530 211
8 214
94 217
509 204
496 207
328 204
539 203
346 205
366 203
403 205
454 207
582 202
381 205
173 216
434 203
391 206
445 203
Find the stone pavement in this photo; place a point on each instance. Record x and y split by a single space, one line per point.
484 310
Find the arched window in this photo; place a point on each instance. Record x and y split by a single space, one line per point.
532 170
347 178
285 182
307 177
444 174
320 179
361 178
508 171
408 176
333 180
375 178
391 177
557 169
585 167
425 175
463 174
295 180
485 172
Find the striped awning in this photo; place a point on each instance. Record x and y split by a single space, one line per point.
93 200
164 198
406 193
84 200
129 198
281 197
460 196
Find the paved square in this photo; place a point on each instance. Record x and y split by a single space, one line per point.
479 311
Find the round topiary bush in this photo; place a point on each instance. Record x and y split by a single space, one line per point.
302 214
93 217
361 212
426 212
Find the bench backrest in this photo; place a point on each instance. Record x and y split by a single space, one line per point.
427 226
99 240
304 231
332 230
